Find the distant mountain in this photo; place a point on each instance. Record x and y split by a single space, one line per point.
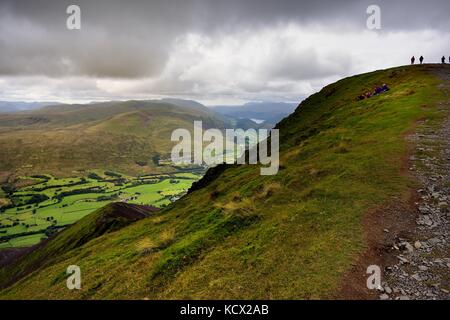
186 103
15 106
269 112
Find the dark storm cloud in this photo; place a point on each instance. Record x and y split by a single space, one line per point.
132 39
115 40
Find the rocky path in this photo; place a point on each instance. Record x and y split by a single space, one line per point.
422 268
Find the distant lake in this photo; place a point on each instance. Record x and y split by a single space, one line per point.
258 121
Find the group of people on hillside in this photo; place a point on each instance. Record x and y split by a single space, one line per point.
413 59
378 90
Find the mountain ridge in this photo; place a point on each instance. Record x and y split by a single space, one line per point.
239 235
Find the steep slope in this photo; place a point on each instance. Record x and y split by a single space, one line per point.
242 235
112 135
110 218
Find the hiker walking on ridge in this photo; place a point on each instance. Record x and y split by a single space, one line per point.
413 59
443 59
421 59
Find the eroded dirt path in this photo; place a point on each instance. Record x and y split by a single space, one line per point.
422 266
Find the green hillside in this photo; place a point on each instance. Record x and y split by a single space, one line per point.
107 219
65 140
242 235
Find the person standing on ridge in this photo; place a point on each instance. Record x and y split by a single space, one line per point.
443 59
413 59
421 59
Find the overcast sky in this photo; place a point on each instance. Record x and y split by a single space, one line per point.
213 51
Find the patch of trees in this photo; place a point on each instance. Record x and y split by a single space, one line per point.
17 235
34 198
142 182
40 176
51 230
8 188
94 176
156 159
61 195
179 178
120 182
57 186
6 207
37 198
112 174
141 163
108 198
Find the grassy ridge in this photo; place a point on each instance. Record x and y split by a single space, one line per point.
243 235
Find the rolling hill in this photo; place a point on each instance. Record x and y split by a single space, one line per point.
124 136
240 235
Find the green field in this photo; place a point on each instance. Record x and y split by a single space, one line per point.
66 200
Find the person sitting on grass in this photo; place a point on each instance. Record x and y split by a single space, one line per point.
378 90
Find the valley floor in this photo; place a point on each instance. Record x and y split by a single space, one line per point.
47 204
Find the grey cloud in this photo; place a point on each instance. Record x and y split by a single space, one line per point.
132 39
306 64
134 43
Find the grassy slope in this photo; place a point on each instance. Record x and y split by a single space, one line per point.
243 235
107 219
64 139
